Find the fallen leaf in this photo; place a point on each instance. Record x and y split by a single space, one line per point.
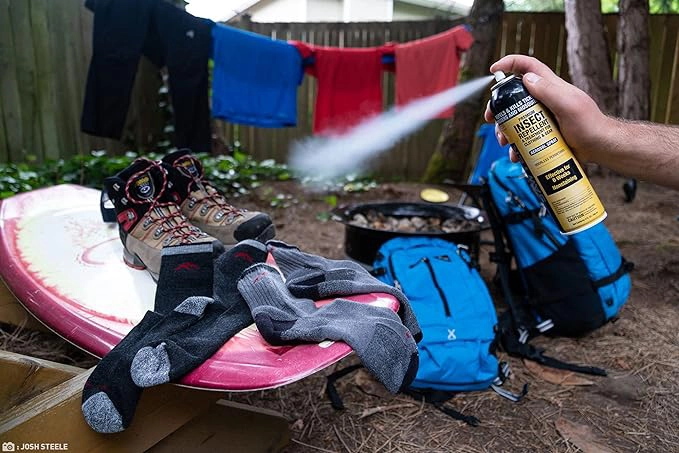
623 388
555 376
581 436
298 425
623 364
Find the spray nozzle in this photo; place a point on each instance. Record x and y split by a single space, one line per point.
499 75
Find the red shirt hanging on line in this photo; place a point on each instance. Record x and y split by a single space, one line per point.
430 65
349 84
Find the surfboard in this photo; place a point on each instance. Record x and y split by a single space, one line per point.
65 266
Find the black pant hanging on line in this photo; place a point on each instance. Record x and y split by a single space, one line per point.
168 36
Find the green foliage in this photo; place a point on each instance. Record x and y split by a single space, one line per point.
607 6
235 174
664 6
89 170
349 183
534 5
331 201
239 173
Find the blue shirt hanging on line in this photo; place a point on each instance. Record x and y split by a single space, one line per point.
255 78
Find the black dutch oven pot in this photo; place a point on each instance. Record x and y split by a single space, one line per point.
361 243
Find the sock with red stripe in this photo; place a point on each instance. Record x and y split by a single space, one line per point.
199 326
185 271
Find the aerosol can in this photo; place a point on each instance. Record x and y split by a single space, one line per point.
555 175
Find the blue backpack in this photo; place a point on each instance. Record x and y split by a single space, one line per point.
567 285
456 314
579 281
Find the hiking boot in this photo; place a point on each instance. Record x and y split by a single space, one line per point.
207 208
148 218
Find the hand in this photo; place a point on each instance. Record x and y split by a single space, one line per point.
584 127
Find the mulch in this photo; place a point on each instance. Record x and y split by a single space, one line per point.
635 408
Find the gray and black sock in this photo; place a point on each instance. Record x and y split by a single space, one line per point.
314 277
110 396
185 270
384 345
199 326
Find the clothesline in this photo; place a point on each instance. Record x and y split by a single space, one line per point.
387 59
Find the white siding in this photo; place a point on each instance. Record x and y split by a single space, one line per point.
368 10
404 11
325 11
280 11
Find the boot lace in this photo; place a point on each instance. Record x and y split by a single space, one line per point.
213 197
168 218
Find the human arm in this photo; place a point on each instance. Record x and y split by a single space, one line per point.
642 150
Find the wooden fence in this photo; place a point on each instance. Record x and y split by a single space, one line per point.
45 47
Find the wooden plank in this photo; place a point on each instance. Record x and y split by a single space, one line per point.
81 66
508 39
658 37
525 32
56 26
4 146
25 71
13 313
665 79
562 57
241 427
540 37
25 377
552 40
673 94
9 86
497 53
610 29
55 416
71 91
45 77
85 43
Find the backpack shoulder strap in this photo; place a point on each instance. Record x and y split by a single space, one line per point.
438 398
511 344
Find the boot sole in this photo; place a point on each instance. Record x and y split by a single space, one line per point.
268 233
133 261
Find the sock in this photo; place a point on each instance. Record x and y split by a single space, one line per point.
110 396
384 345
315 277
179 354
290 259
185 271
231 265
199 326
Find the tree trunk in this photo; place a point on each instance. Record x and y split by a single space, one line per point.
457 138
589 60
633 77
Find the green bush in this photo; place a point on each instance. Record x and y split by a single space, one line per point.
235 174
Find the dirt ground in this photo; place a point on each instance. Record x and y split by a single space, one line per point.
636 408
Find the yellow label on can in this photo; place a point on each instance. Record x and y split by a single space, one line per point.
529 126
